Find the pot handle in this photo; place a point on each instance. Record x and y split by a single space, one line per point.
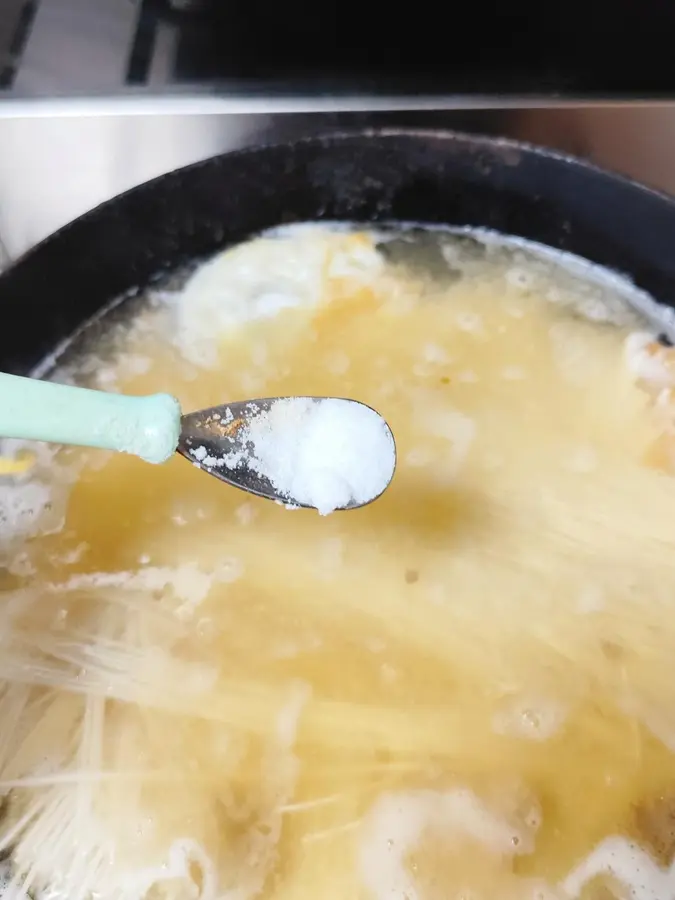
30 409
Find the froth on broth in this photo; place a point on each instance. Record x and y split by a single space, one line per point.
464 690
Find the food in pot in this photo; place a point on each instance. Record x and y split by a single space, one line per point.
463 690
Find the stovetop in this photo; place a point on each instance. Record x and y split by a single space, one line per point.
254 48
99 95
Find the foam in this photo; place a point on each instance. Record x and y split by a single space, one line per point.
439 420
606 295
260 279
625 862
22 507
602 294
182 856
398 821
648 361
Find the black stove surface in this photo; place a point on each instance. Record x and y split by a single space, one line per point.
575 49
15 20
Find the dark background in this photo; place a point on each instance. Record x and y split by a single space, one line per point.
595 49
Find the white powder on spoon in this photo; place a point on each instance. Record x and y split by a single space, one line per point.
324 453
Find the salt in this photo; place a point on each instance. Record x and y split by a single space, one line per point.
324 453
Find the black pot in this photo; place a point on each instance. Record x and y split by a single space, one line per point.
434 177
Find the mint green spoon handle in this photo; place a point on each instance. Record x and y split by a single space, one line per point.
148 427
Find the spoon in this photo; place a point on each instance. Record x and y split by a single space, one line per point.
324 453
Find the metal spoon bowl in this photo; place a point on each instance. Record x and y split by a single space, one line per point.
208 436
